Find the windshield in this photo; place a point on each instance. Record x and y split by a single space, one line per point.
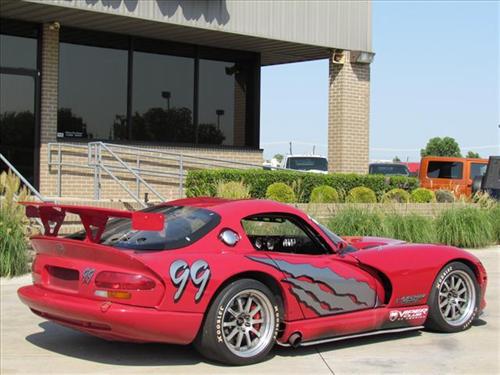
307 163
184 225
389 169
327 232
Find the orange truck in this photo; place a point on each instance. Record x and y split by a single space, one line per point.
449 173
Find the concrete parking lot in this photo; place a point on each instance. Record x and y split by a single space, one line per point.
32 345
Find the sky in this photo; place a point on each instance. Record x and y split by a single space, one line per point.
436 73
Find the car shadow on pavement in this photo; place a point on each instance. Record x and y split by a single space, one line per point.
348 343
71 343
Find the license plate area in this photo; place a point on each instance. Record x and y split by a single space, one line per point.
63 278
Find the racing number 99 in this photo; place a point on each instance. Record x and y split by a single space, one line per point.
180 273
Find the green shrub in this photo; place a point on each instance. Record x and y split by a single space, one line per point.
465 227
353 221
422 195
232 190
361 194
411 228
280 192
396 196
204 182
13 227
324 194
444 196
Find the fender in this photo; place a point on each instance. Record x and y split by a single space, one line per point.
411 268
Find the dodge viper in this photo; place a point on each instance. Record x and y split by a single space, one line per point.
236 277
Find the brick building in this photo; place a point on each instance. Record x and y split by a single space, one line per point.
177 76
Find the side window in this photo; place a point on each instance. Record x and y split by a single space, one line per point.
280 233
445 169
477 170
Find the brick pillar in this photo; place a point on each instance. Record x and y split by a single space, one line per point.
348 117
48 110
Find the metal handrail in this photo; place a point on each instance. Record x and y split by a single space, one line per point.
114 160
136 175
23 179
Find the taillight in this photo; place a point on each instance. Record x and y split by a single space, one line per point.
123 281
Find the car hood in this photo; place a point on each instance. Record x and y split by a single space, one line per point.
361 243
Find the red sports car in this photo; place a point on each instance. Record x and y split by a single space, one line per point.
236 277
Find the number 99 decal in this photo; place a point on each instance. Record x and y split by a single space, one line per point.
180 273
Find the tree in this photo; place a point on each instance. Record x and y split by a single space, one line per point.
445 146
473 155
278 157
396 159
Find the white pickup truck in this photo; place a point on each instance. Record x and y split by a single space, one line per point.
306 163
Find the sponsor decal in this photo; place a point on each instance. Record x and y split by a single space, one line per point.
337 294
443 276
406 300
87 275
399 315
181 273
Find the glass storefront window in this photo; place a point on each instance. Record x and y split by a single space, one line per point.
162 97
166 95
221 110
17 52
92 92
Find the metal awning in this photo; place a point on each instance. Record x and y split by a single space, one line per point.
272 51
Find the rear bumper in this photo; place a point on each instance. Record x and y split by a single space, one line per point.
112 321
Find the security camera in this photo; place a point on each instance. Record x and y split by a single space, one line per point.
54 26
338 56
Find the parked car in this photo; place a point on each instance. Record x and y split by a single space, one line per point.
307 163
450 173
236 277
388 169
490 181
413 168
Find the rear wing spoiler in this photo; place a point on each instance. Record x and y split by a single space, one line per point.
94 219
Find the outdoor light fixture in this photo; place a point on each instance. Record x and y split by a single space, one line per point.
362 57
166 95
219 113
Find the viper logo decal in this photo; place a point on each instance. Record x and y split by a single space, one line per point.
339 295
87 275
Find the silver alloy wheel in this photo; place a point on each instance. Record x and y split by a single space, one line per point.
457 298
248 323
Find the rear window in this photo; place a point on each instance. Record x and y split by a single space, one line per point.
184 226
389 169
307 164
477 170
445 169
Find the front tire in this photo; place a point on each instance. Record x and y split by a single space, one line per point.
454 300
241 325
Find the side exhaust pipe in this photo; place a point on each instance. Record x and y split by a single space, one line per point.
295 339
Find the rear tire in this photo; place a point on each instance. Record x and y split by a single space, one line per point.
454 300
241 325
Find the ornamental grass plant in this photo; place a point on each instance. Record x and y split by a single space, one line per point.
13 226
465 227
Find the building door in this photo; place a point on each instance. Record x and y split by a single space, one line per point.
18 135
